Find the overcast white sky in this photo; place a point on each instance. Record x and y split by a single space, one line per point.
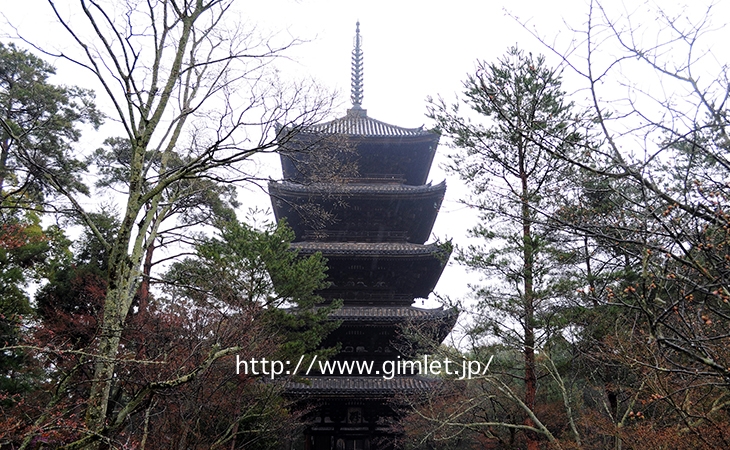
412 50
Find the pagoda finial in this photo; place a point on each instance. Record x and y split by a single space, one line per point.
357 74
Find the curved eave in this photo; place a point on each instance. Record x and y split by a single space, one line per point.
370 249
357 270
285 188
358 386
406 156
391 314
439 320
361 125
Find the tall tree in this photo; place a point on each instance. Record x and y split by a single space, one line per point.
190 90
508 161
197 202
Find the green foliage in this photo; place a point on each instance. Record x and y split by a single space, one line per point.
76 287
249 269
526 115
27 254
39 122
195 200
22 247
510 151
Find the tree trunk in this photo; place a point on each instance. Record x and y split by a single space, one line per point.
4 152
116 307
144 286
528 303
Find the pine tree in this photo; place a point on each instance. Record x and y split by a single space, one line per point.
39 123
509 160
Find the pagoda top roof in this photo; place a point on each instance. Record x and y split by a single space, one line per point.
357 123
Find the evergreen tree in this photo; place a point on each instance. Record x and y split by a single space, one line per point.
509 161
39 123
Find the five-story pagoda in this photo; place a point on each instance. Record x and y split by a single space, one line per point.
355 190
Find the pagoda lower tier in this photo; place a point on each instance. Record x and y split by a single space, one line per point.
371 273
356 412
387 333
375 212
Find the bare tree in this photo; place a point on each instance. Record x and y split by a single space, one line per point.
191 90
658 89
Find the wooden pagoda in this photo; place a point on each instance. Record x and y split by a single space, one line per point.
355 190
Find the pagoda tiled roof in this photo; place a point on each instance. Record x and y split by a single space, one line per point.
367 248
346 386
390 313
357 123
356 188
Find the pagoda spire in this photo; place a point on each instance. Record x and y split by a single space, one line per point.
357 75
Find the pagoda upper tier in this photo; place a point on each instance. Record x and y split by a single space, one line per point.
358 212
379 273
376 151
